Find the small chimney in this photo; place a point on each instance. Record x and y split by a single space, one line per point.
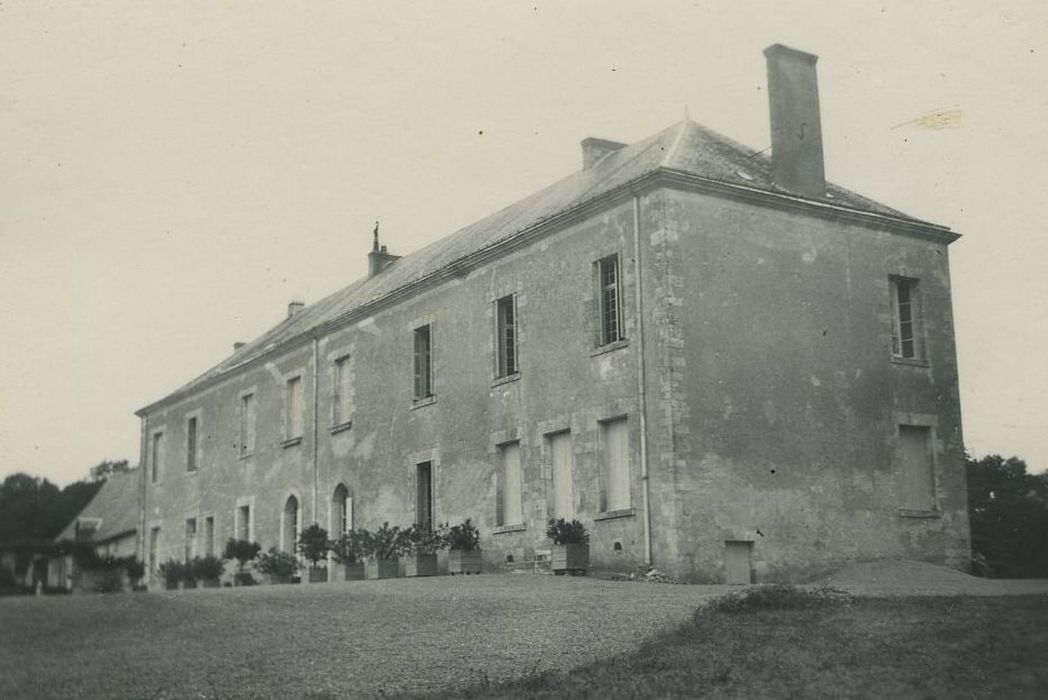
595 149
237 345
796 130
379 258
294 307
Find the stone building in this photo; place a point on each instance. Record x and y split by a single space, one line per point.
722 364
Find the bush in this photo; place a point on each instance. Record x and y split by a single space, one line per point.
777 597
172 571
277 563
384 543
207 568
313 544
242 551
464 536
135 570
349 548
422 539
562 532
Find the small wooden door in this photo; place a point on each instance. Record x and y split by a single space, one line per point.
737 562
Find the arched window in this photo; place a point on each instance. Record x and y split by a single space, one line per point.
289 533
341 511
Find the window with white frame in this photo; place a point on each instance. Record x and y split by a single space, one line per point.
340 402
191 444
918 472
156 456
423 362
907 315
609 300
509 510
506 336
243 522
614 464
247 424
293 408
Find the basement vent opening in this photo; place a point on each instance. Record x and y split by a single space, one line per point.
617 547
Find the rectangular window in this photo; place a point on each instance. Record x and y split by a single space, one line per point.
610 322
614 465
509 511
191 445
424 494
209 535
293 408
247 424
506 339
191 533
561 475
244 523
340 392
423 363
906 318
156 456
918 476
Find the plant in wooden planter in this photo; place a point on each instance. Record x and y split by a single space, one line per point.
421 544
135 571
570 546
208 570
314 546
463 542
172 572
242 552
382 549
348 553
279 566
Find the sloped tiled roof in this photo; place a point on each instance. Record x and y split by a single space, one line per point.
115 504
685 147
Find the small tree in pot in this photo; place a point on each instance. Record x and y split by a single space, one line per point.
279 566
172 572
314 546
135 571
570 546
208 570
463 541
383 547
348 553
243 552
421 544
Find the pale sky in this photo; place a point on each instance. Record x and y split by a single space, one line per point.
173 174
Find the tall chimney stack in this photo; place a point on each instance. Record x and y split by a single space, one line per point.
796 130
379 258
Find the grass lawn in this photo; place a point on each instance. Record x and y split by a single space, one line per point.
970 647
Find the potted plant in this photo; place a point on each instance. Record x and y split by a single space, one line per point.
463 542
313 545
570 546
383 548
208 570
421 544
135 571
171 571
279 566
348 553
243 552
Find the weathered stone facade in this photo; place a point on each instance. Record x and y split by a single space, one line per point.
755 372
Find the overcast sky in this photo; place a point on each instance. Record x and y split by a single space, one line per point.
173 174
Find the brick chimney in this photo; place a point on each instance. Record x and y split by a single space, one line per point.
595 149
796 131
379 259
294 307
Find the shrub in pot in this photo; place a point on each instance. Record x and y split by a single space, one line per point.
383 548
348 553
136 570
172 572
279 566
570 546
208 570
314 546
421 544
463 542
242 552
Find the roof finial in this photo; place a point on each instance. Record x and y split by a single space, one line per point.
374 245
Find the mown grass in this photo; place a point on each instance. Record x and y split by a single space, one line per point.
781 642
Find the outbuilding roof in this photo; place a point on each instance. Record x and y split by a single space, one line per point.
112 512
685 148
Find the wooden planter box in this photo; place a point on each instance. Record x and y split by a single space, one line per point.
340 573
572 558
460 562
381 568
317 574
420 565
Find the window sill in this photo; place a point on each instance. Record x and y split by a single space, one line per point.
613 514
419 403
291 442
246 455
907 513
909 361
618 344
502 529
191 472
340 427
506 380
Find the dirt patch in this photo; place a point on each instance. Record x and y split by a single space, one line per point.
901 577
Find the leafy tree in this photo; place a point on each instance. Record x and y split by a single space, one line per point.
106 468
313 544
1008 510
